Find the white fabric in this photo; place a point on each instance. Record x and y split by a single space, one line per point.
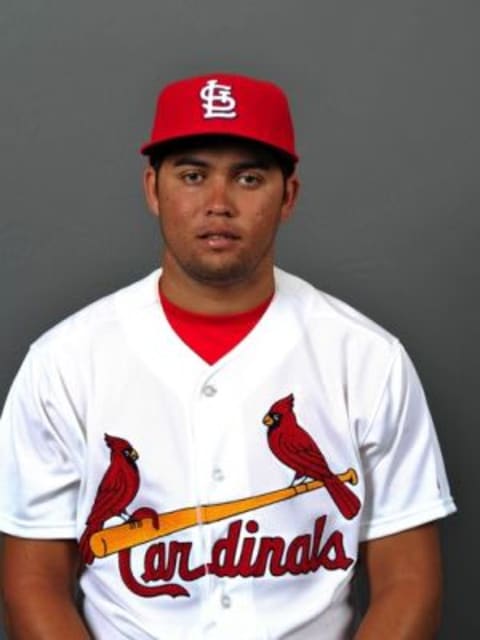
117 367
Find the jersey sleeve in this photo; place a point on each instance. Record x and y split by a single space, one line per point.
405 480
40 447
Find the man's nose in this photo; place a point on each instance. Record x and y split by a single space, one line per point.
219 199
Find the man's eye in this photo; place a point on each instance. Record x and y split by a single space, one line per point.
249 179
192 177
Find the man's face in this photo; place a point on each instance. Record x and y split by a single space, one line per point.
219 210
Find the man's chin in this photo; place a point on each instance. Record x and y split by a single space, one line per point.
217 275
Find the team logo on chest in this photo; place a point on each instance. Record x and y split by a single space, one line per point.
217 100
244 550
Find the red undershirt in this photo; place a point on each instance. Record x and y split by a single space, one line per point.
211 337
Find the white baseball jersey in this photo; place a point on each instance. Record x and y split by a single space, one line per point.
252 540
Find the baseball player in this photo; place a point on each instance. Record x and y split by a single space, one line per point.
212 451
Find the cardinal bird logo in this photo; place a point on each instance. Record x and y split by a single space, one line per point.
293 446
117 489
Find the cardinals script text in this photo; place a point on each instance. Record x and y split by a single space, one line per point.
239 553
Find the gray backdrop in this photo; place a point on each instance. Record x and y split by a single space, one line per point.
386 100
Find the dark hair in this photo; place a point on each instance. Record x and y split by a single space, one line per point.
269 154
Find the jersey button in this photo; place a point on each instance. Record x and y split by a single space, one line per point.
226 602
209 390
217 475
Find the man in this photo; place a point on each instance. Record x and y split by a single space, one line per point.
214 448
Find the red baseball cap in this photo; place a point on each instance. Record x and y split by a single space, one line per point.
223 104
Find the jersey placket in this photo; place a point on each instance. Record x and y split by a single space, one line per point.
218 438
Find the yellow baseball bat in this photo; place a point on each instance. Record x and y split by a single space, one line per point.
132 534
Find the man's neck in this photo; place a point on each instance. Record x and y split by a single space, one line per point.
212 299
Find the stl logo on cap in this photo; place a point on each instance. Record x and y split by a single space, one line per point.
218 101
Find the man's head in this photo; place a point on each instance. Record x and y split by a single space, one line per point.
221 176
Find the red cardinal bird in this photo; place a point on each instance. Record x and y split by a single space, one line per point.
117 489
294 447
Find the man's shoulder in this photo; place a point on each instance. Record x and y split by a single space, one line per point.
101 317
327 313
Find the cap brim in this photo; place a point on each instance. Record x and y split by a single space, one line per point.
151 148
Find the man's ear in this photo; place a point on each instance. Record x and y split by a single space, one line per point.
290 196
150 189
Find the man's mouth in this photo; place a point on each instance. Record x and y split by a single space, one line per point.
218 234
219 239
